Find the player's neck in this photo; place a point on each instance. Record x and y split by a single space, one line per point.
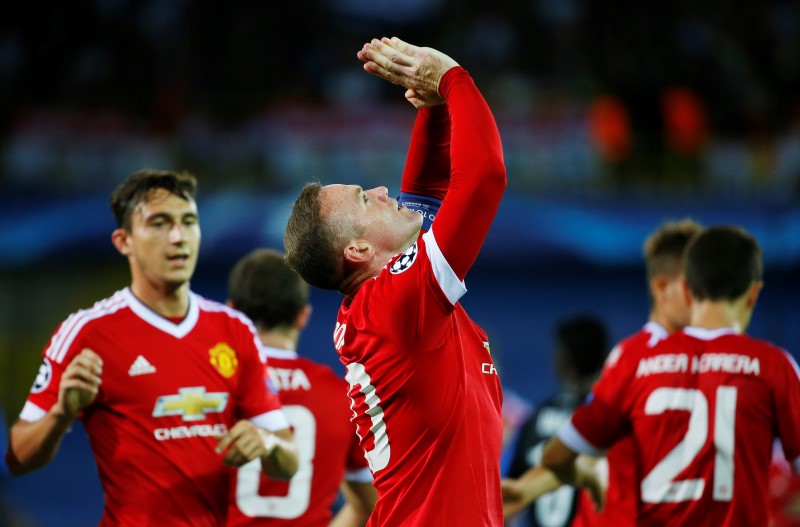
164 300
714 315
282 340
664 322
361 275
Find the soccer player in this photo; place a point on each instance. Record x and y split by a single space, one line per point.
170 386
669 311
423 385
315 401
703 406
581 346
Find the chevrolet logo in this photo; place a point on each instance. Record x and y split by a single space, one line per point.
191 403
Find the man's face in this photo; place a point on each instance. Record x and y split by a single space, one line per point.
164 239
374 213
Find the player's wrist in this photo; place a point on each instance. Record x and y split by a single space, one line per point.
269 441
61 414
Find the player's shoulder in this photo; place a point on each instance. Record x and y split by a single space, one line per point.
101 311
766 349
221 311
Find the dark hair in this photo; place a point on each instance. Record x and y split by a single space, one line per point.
313 243
722 262
582 344
664 248
137 188
266 289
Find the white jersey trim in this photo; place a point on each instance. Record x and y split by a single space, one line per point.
62 340
272 420
32 413
362 475
154 319
657 333
709 334
570 436
452 287
278 353
792 362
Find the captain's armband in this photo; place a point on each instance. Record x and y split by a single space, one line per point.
425 205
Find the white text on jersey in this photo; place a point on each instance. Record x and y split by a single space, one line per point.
289 379
708 363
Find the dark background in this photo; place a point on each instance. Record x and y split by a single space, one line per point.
615 116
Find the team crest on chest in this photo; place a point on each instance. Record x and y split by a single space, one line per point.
223 358
405 261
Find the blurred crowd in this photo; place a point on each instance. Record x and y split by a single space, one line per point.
591 95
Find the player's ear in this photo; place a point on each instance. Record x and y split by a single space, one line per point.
687 293
302 317
658 285
358 252
121 240
752 294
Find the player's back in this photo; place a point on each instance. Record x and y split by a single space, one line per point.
315 401
705 406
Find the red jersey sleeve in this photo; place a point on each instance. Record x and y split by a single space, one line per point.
604 418
65 343
477 173
427 170
255 400
787 400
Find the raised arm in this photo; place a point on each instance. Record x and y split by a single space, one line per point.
477 173
427 171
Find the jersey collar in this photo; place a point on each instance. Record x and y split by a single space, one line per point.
278 353
709 334
154 319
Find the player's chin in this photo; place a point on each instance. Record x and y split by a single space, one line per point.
177 277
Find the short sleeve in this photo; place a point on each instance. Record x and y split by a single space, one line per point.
787 399
604 417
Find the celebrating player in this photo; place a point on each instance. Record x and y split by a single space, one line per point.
315 401
423 385
169 385
702 407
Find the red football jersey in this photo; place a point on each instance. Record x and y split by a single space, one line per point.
315 401
167 391
622 494
425 394
703 408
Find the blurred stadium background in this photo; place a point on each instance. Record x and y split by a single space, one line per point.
615 116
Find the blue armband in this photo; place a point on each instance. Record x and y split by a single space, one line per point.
425 205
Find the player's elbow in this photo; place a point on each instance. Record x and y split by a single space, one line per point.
16 466
494 181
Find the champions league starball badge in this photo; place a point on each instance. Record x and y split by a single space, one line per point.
43 377
405 261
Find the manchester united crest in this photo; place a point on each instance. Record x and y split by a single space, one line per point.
223 358
405 260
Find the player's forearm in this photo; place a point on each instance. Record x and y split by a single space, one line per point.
282 462
33 445
477 175
538 481
349 516
427 169
360 501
